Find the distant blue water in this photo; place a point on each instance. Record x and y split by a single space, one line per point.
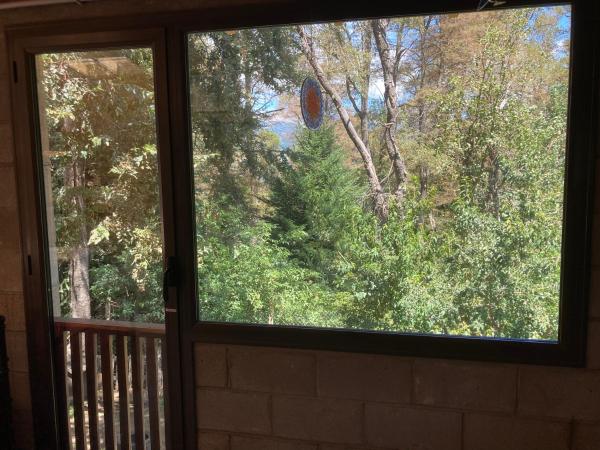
285 130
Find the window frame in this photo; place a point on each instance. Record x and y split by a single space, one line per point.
570 348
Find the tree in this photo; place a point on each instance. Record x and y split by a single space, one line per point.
390 67
102 141
379 199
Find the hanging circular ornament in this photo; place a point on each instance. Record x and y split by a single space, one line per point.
311 103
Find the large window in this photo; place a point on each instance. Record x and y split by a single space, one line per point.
424 194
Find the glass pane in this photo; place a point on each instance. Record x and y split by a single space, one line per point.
99 152
100 170
401 174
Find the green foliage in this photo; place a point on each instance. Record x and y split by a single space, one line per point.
287 236
101 136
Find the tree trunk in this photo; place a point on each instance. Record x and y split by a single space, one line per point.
389 67
79 256
80 283
380 206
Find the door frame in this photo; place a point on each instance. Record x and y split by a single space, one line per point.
34 243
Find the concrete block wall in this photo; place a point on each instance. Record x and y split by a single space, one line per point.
279 399
11 283
272 398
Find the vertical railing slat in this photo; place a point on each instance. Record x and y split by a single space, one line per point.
61 388
139 423
122 369
77 390
91 353
138 399
165 388
107 390
153 394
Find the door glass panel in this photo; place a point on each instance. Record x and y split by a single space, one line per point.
99 160
398 174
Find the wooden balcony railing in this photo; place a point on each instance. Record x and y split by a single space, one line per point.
109 370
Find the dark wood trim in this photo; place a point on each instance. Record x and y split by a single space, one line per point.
183 203
80 441
91 369
37 310
61 386
173 347
122 370
108 399
116 327
136 387
401 344
152 385
261 13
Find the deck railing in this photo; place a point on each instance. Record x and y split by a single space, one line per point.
109 372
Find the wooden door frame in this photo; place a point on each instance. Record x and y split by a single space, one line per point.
38 301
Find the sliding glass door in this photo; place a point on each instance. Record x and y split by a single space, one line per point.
102 162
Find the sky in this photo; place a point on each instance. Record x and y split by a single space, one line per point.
285 122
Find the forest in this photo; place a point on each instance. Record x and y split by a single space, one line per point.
429 200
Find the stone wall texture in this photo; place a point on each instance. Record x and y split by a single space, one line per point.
278 399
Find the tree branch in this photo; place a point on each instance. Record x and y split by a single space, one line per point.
307 47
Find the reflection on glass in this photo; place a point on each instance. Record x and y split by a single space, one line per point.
429 200
99 154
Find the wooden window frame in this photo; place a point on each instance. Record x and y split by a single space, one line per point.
570 348
174 27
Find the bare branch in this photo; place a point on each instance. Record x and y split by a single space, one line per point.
349 85
307 47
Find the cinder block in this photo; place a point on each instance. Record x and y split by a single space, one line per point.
250 443
6 142
5 108
8 187
405 427
23 430
586 437
213 441
344 447
596 241
10 237
20 392
594 298
364 377
597 187
593 347
485 387
502 433
3 55
211 365
16 346
318 419
232 411
559 392
272 370
13 309
11 271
